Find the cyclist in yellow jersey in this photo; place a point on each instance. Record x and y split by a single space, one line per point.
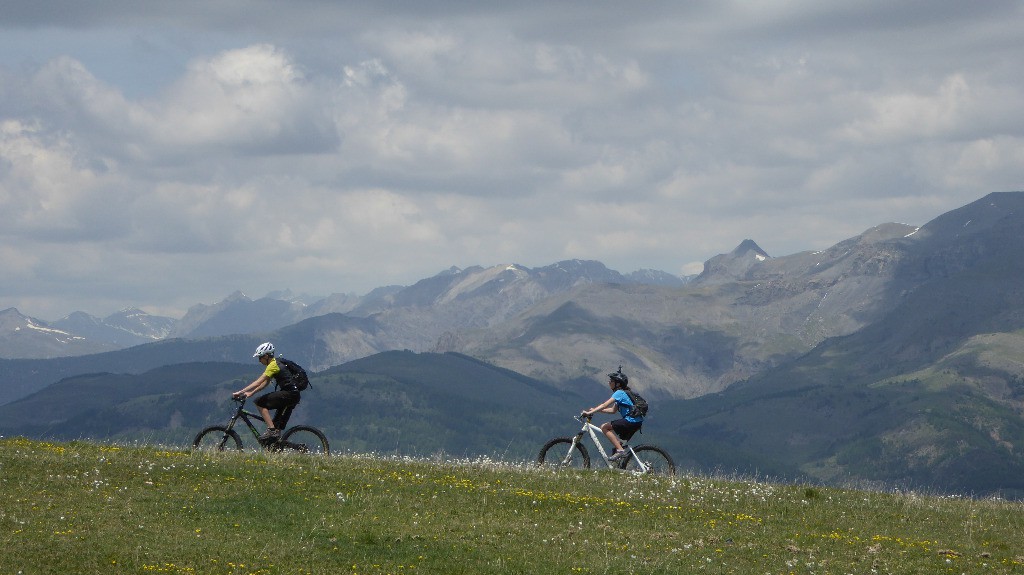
283 400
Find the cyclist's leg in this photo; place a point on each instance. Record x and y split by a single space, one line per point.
282 415
265 403
608 428
284 412
279 401
622 430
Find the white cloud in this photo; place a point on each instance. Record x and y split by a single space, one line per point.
912 116
252 98
377 144
995 159
46 188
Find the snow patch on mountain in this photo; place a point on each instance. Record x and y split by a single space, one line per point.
60 334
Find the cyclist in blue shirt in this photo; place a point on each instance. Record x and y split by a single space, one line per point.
620 402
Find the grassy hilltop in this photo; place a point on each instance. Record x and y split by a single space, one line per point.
92 508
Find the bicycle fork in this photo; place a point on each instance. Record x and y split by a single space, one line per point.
572 446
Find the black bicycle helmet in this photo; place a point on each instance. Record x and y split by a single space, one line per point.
619 377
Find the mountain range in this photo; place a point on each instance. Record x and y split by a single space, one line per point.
79 333
683 337
893 357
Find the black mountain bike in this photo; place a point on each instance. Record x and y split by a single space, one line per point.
299 438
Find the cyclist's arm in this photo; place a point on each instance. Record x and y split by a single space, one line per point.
606 407
253 387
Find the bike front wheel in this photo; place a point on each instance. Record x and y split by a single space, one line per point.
304 439
560 453
649 459
216 438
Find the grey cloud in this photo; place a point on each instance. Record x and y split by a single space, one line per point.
402 138
808 18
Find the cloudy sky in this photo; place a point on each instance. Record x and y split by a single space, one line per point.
163 154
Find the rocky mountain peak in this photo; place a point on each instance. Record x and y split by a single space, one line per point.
11 317
749 247
734 265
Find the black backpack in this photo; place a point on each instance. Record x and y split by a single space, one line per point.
640 406
298 375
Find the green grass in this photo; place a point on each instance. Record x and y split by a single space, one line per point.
90 508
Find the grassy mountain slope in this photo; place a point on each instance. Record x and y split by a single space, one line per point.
85 508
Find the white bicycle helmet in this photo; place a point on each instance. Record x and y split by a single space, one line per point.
264 349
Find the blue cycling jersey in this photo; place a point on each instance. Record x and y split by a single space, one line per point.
625 405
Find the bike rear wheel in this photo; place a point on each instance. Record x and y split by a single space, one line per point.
304 439
559 453
654 459
216 438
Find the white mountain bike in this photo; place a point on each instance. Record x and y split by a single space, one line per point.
571 452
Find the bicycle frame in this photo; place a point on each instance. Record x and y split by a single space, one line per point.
594 431
244 415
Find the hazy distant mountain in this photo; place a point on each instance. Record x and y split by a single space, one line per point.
238 314
657 278
346 302
125 328
140 323
77 334
25 337
746 313
439 297
735 265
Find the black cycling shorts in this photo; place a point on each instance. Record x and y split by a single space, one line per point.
278 399
282 402
625 429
